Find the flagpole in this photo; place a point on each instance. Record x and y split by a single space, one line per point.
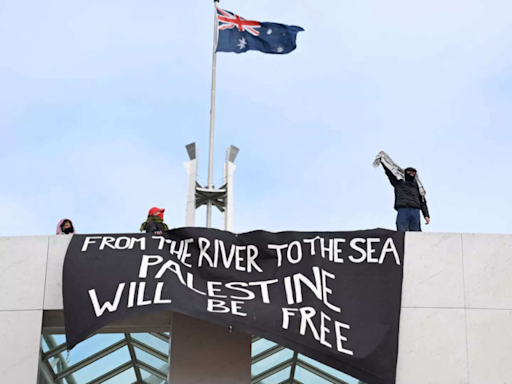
212 115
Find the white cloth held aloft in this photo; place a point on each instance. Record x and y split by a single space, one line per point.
386 161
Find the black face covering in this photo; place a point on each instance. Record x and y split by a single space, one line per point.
409 177
67 231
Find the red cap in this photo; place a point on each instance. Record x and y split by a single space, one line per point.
153 210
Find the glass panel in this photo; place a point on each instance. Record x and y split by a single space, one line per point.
152 341
56 363
271 361
331 371
151 379
102 366
52 341
260 346
278 377
151 360
60 339
44 346
304 376
126 377
88 348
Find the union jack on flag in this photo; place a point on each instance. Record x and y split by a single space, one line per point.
239 35
228 21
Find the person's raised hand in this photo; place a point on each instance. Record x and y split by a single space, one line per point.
427 219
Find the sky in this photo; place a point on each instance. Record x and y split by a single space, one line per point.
99 99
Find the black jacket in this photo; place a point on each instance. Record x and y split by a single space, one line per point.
153 226
407 194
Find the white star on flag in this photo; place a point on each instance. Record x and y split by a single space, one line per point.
280 49
269 32
243 43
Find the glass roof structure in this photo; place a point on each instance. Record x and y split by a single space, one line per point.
142 358
275 364
112 358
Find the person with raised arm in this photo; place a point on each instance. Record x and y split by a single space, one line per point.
409 194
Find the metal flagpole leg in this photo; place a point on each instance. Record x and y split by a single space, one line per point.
212 118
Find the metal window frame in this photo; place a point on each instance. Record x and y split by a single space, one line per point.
133 356
150 369
317 371
113 373
152 351
294 362
267 353
91 359
269 372
161 336
294 366
135 363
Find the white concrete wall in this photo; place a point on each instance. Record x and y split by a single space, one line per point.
456 325
22 287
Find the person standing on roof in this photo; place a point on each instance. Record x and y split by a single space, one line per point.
409 194
155 222
65 227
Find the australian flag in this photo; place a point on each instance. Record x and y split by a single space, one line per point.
239 35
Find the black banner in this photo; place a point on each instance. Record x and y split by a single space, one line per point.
332 296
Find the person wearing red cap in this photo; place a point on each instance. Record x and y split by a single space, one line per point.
155 222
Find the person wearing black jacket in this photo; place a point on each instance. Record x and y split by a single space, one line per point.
408 201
